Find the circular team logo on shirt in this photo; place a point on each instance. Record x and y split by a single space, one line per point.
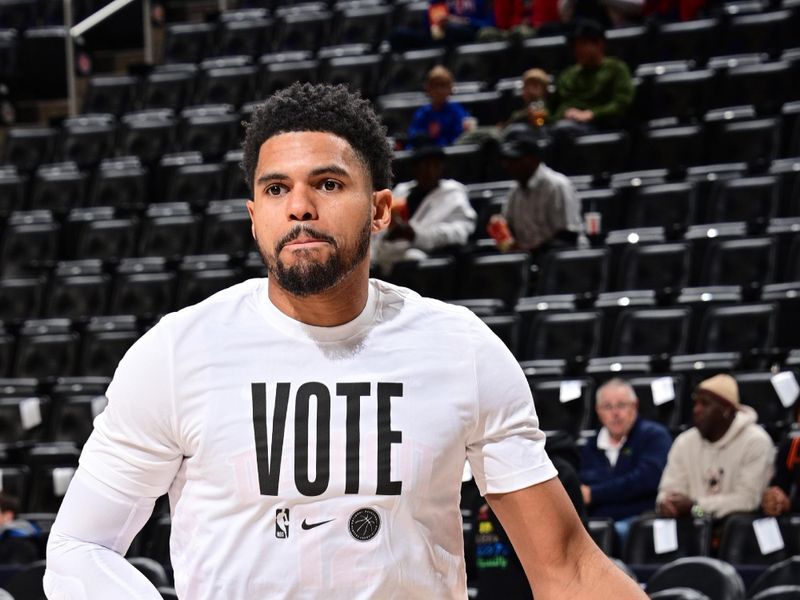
364 524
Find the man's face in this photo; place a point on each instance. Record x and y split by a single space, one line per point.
617 411
533 90
521 169
313 210
439 90
588 52
428 172
708 414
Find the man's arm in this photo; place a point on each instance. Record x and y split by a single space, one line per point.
560 559
130 459
86 546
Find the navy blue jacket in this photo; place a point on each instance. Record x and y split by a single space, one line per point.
629 488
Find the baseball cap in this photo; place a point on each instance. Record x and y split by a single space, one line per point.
536 75
519 142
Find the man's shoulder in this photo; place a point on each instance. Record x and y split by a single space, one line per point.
649 425
225 302
691 437
551 178
612 63
451 185
428 313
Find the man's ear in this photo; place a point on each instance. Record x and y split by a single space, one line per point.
251 206
381 210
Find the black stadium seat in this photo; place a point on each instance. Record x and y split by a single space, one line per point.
715 578
46 348
748 262
147 134
188 42
114 94
170 230
244 32
143 287
20 297
565 336
785 572
501 276
673 148
29 147
744 328
694 539
739 544
169 88
486 62
562 405
574 272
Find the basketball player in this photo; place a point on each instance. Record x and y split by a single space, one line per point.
311 429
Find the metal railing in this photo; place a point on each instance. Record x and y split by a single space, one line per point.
75 31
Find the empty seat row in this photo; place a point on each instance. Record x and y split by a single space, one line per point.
34 241
147 288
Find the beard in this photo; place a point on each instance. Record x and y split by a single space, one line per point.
310 275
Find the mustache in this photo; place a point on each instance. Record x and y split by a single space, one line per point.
304 230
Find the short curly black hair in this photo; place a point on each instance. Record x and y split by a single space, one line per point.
319 107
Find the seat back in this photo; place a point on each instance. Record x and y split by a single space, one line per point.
557 406
716 579
694 539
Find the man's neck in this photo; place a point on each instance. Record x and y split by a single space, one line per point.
336 306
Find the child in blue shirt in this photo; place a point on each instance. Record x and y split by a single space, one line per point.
441 121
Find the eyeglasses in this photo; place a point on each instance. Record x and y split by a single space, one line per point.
617 406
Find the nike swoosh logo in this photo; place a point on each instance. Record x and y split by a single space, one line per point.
312 525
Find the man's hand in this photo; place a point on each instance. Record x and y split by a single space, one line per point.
586 492
774 501
675 505
400 230
576 114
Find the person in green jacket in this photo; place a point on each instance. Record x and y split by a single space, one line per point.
597 91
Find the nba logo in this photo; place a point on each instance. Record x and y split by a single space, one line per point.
282 523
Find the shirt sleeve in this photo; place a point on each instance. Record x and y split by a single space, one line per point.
134 447
94 528
506 448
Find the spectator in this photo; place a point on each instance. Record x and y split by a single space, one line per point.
622 465
596 92
723 463
441 121
783 494
429 213
448 22
534 96
542 210
17 536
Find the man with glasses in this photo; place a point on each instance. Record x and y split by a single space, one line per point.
622 464
723 463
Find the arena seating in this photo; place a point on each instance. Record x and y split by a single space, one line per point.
134 208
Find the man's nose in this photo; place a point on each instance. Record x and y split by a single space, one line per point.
300 204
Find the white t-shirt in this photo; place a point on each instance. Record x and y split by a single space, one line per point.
310 462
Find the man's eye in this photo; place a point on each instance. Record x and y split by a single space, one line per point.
329 185
274 190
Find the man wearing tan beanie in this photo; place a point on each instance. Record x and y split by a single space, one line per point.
723 463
